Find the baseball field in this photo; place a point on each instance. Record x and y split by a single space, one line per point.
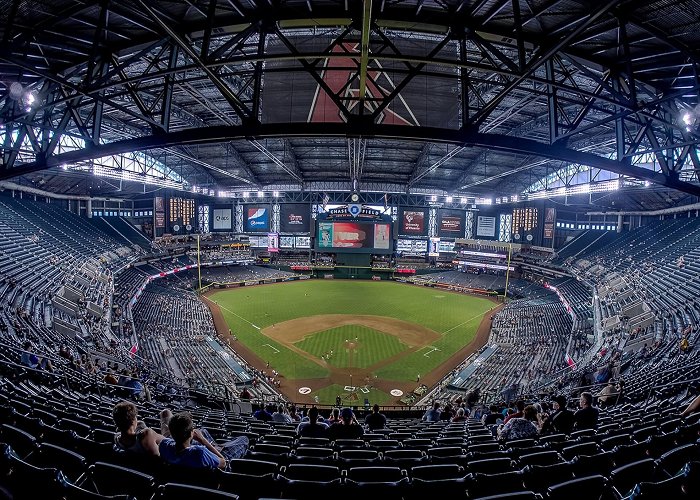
357 339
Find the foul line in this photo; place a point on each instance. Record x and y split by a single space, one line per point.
469 320
231 312
273 348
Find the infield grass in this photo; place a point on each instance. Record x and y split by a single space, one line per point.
455 317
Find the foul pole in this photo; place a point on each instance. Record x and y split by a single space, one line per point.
199 267
510 251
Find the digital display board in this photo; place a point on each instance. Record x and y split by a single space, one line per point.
286 241
414 247
294 217
451 223
413 221
354 236
256 218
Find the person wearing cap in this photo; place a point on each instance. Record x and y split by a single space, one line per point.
561 420
347 428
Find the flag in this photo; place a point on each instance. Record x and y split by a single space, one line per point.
134 348
386 201
326 199
570 361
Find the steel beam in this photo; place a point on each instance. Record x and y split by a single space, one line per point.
364 50
460 138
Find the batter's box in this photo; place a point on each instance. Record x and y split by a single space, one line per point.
432 350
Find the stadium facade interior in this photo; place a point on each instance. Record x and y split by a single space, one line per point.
540 153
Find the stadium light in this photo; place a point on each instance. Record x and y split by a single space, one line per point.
261 194
464 201
246 194
687 118
448 199
433 198
276 194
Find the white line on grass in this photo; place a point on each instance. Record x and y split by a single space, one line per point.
469 320
273 348
231 312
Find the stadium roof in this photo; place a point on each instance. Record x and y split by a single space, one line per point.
477 97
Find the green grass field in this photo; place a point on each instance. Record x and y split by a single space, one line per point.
455 317
372 346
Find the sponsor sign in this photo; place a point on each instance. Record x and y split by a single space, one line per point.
222 218
294 218
257 218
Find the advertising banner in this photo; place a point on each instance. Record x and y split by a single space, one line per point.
257 218
222 219
413 222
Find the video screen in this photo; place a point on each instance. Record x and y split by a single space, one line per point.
354 236
413 222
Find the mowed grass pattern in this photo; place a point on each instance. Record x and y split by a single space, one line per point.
249 309
372 346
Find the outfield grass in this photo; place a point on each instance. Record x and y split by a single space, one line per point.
248 309
371 346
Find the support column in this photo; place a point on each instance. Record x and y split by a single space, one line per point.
88 208
619 223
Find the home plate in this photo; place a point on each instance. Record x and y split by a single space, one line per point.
396 392
304 390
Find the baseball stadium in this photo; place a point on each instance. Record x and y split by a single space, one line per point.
391 248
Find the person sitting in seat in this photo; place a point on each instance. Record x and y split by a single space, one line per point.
348 428
133 436
281 415
312 427
520 427
561 420
492 417
433 414
375 420
587 416
203 454
32 360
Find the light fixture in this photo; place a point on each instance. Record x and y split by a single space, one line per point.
687 118
261 194
246 194
448 199
464 201
433 198
276 194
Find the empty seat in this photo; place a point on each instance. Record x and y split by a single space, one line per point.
539 458
623 479
174 491
540 477
591 488
490 466
110 479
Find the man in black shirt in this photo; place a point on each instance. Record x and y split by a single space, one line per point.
587 416
347 428
375 420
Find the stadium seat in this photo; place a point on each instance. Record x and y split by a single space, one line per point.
174 491
591 487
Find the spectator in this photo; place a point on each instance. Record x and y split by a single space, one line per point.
293 414
133 435
348 428
265 413
334 417
520 427
492 417
433 414
608 396
561 420
461 416
312 427
203 455
375 420
32 360
447 413
165 417
587 416
281 415
245 394
473 398
520 407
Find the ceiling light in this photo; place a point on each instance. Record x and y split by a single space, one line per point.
448 199
687 118
260 194
433 198
463 201
246 194
276 194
